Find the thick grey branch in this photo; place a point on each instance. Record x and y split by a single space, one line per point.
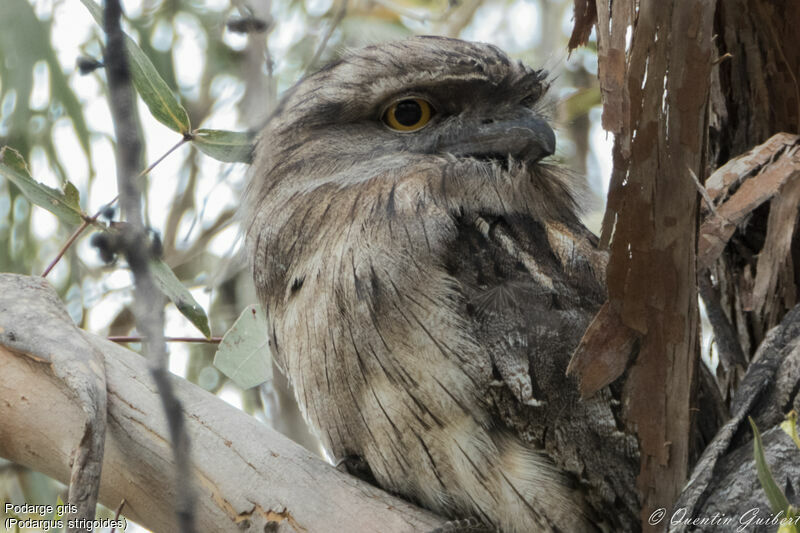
724 479
249 476
75 365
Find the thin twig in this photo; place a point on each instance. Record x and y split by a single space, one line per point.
722 58
87 221
85 224
126 339
186 138
63 250
118 513
337 18
703 192
133 242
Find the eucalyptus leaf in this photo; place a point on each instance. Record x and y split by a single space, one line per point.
777 499
63 204
149 84
227 146
789 426
243 355
169 284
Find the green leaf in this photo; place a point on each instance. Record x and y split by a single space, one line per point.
787 526
63 204
777 499
155 92
171 286
149 84
243 355
95 10
790 427
227 146
59 514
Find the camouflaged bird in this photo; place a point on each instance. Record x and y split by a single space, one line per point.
426 279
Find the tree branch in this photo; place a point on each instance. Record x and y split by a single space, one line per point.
249 476
148 302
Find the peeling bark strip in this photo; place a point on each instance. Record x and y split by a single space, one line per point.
742 185
748 248
768 172
655 100
613 19
755 94
603 353
585 14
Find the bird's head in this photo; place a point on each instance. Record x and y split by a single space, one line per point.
391 130
425 95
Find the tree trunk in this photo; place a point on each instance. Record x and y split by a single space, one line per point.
740 59
755 94
753 285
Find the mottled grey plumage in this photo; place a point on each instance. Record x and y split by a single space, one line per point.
425 290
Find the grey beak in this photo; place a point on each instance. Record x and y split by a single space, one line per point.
524 136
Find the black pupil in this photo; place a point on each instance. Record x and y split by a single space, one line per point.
408 112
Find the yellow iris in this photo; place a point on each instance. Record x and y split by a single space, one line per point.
408 114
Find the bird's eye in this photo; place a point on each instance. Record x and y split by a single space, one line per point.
409 114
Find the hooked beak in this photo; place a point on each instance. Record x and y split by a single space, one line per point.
524 136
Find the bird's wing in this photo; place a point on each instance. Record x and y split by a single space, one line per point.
530 288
